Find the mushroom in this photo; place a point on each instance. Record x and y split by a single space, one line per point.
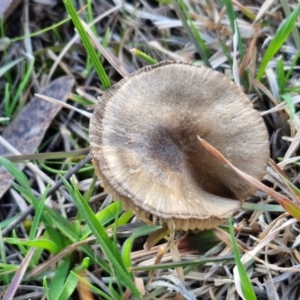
144 146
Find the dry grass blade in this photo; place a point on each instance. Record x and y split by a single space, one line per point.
12 288
266 5
42 156
57 257
249 53
287 204
248 256
84 291
57 102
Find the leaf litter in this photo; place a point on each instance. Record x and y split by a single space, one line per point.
268 241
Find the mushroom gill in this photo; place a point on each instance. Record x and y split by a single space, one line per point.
143 136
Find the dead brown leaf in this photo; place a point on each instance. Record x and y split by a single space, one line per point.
26 132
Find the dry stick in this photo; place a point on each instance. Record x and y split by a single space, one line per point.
282 200
53 189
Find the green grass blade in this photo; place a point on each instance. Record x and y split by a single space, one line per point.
289 101
126 250
104 216
69 231
295 31
280 74
68 288
46 289
290 71
88 45
16 173
262 207
246 285
292 186
124 218
38 215
39 243
194 30
189 31
72 281
8 267
11 106
232 20
144 56
113 291
55 236
39 32
51 217
10 65
6 222
102 238
59 278
22 249
90 16
279 38
3 258
38 253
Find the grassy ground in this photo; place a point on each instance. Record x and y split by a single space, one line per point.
61 236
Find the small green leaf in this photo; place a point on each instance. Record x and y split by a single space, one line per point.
40 243
85 263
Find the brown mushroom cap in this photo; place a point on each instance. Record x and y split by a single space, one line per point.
143 137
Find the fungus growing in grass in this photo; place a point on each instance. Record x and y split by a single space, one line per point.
144 146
